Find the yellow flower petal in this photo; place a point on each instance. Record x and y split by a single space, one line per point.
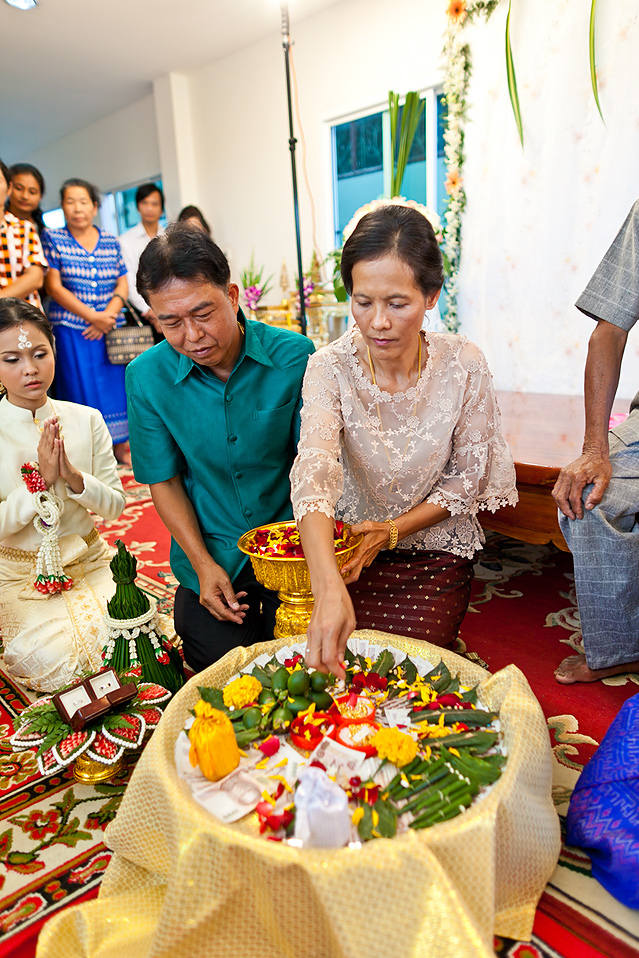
358 815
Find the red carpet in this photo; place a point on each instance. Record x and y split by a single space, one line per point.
522 611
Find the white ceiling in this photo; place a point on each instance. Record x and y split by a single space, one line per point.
69 62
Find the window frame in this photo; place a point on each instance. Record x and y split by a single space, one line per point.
429 95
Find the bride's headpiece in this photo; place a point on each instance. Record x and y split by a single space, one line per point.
430 215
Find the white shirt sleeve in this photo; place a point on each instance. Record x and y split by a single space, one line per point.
133 246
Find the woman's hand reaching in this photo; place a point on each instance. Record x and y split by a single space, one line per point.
331 625
376 538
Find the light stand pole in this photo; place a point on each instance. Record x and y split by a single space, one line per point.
286 44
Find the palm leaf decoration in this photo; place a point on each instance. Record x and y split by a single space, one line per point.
512 80
593 66
406 128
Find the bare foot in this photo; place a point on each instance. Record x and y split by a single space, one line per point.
575 669
122 453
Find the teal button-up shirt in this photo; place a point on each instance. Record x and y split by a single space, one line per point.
233 443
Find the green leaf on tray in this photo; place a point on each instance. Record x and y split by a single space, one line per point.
365 825
244 736
384 663
408 670
263 677
214 697
387 824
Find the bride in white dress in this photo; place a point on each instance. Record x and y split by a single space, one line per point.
50 638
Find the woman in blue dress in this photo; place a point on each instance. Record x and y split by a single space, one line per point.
87 285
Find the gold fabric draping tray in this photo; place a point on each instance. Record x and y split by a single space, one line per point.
184 885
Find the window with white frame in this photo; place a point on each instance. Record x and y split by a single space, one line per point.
362 161
118 211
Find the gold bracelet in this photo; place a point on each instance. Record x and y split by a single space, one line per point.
394 533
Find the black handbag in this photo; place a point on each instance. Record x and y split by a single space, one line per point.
124 343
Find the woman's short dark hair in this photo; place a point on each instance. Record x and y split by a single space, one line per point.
398 231
93 191
14 312
146 190
181 253
193 213
29 170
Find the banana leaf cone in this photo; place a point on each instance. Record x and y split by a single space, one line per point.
159 661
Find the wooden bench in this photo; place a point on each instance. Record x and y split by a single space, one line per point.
544 432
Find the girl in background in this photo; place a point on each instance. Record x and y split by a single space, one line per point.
26 189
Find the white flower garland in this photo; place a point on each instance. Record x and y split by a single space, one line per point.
130 629
425 211
457 77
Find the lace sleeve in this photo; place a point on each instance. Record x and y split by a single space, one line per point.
317 479
480 472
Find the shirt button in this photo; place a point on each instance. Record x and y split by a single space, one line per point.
248 512
229 398
238 475
232 438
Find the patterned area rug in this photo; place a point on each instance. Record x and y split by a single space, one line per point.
522 610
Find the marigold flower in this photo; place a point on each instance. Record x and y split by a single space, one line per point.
241 692
398 748
213 743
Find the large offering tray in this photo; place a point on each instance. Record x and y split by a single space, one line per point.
401 745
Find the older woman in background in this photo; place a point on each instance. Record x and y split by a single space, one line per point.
87 284
400 437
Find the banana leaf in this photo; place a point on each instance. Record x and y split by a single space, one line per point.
512 80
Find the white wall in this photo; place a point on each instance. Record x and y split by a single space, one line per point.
119 149
346 58
537 221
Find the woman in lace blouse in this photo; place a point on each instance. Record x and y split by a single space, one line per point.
401 438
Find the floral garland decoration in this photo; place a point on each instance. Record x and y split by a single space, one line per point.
457 78
50 576
430 215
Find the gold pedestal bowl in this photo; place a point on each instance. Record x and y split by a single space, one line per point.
89 772
289 577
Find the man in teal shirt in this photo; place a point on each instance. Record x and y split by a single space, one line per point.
214 425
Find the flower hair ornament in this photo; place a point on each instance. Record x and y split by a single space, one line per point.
430 215
23 339
50 577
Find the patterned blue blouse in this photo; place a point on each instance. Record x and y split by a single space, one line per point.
89 276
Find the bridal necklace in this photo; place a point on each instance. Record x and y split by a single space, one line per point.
379 415
37 422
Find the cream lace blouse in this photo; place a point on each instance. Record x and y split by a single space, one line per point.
438 441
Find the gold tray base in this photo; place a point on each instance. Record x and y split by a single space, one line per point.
89 772
294 614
